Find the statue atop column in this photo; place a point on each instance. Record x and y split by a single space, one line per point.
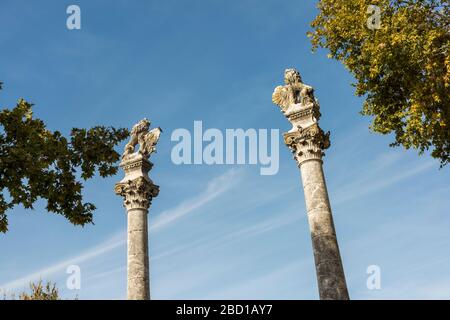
307 142
138 191
294 92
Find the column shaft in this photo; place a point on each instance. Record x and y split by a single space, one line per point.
329 269
138 262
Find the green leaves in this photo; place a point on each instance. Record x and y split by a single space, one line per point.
37 163
402 68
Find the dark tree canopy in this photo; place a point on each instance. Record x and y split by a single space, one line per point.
38 163
402 66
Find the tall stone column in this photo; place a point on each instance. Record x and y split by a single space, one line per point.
138 190
307 142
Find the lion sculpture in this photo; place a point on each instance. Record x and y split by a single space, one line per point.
146 139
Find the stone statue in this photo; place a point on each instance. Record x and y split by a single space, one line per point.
294 92
146 139
297 102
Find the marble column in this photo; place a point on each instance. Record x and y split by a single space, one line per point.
138 190
307 142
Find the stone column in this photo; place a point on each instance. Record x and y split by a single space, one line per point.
308 152
138 191
307 142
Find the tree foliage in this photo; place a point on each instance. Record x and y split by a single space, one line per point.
39 291
401 68
38 163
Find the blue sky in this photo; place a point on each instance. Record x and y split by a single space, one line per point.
220 231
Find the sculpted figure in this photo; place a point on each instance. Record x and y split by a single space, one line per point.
146 139
293 92
297 102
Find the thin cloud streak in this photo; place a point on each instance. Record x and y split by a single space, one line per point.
107 273
259 286
112 243
226 239
368 186
215 188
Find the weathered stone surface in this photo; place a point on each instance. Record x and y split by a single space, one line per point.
332 287
318 197
309 173
329 269
146 138
320 222
138 190
138 287
307 142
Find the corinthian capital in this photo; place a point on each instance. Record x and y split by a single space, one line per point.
137 193
307 144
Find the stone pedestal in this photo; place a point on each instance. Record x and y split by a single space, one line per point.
138 190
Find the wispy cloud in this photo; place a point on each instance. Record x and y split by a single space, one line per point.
112 243
225 239
261 287
215 188
378 178
174 283
107 273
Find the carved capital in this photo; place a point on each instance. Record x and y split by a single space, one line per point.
137 193
308 143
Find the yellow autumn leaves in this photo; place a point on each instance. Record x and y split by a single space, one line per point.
402 67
